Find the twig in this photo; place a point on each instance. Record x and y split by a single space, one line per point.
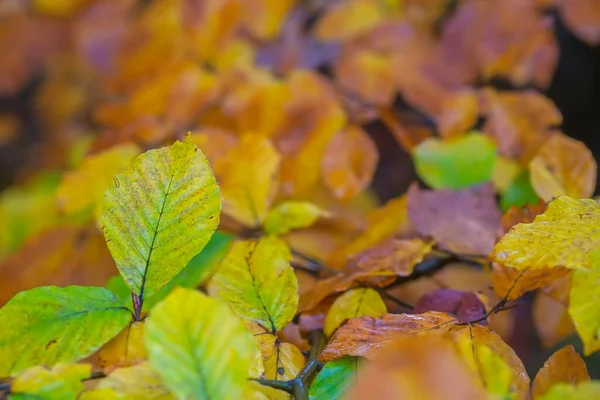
382 292
298 386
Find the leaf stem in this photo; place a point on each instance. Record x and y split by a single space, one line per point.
298 386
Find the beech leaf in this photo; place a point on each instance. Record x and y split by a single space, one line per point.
565 365
63 381
352 304
334 379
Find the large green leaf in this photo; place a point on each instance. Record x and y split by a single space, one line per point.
257 280
197 271
49 324
199 346
334 379
159 214
455 163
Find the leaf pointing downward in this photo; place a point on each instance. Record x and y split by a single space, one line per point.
159 214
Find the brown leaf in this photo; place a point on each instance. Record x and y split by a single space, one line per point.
390 257
563 166
62 256
467 306
459 113
520 122
582 17
323 288
462 221
365 335
418 367
564 366
515 215
349 162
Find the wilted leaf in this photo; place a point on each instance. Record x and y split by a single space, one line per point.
465 305
289 215
455 163
137 382
584 308
563 166
334 379
84 188
258 282
49 324
125 349
392 256
582 391
249 179
63 381
198 346
352 304
565 365
159 214
349 162
364 336
464 221
565 235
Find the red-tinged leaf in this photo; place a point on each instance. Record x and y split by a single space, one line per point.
465 305
364 336
464 221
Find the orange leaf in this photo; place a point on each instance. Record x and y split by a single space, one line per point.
125 349
521 282
563 366
349 162
364 336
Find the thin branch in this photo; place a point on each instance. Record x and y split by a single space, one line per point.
298 386
382 292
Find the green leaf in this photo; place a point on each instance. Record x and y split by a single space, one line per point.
47 325
584 307
194 274
290 215
583 391
63 381
258 282
334 379
159 214
199 346
455 163
519 193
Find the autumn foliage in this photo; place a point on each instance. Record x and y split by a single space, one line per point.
197 218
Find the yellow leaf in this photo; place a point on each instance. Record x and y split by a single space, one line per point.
352 304
563 366
84 188
290 215
63 381
125 349
101 394
584 308
264 18
284 362
65 8
488 368
349 162
249 180
137 382
159 214
563 166
199 346
348 19
566 235
258 282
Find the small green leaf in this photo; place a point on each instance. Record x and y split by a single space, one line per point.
63 381
47 325
159 214
334 379
519 193
258 282
290 215
199 346
455 163
194 274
